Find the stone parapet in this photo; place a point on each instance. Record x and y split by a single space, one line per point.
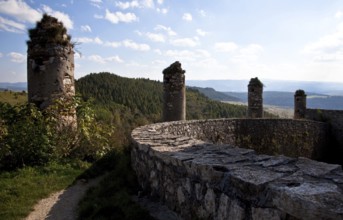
182 165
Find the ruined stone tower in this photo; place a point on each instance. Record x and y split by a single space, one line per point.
50 65
174 97
299 104
255 100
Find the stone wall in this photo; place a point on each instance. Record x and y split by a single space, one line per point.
189 167
292 138
334 119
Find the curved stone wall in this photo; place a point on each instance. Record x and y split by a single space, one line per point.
195 168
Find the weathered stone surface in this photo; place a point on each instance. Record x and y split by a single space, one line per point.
266 213
255 98
50 68
315 168
174 105
199 179
319 200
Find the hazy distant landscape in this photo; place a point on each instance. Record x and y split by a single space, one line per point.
322 95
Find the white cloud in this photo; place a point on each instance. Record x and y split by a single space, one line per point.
225 46
1 55
155 37
187 17
86 40
126 5
86 28
248 53
20 11
158 51
148 3
202 13
113 44
96 3
152 36
102 60
116 59
135 46
117 17
184 42
97 59
64 18
135 4
338 14
160 2
162 10
11 26
17 57
188 55
327 48
201 32
169 31
96 16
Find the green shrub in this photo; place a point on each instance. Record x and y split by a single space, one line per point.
30 137
26 140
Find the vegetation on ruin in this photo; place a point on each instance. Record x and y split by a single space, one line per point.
300 92
48 31
255 82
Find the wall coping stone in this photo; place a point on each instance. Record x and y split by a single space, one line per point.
298 187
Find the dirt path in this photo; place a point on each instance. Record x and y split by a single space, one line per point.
62 204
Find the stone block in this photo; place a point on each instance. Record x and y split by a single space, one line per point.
266 214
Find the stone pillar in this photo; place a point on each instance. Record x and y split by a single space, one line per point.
299 104
174 97
50 66
255 99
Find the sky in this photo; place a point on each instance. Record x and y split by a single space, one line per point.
213 39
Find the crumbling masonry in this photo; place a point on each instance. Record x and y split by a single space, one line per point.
299 104
174 106
50 66
255 99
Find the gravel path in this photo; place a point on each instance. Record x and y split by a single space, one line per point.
62 204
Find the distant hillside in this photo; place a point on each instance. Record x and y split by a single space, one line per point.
327 88
215 95
145 97
286 99
19 86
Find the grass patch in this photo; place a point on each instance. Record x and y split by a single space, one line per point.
111 199
13 98
20 190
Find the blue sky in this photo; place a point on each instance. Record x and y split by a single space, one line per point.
217 39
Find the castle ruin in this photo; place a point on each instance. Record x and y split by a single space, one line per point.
299 104
174 104
253 168
255 99
50 66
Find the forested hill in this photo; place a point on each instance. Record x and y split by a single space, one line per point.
145 96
